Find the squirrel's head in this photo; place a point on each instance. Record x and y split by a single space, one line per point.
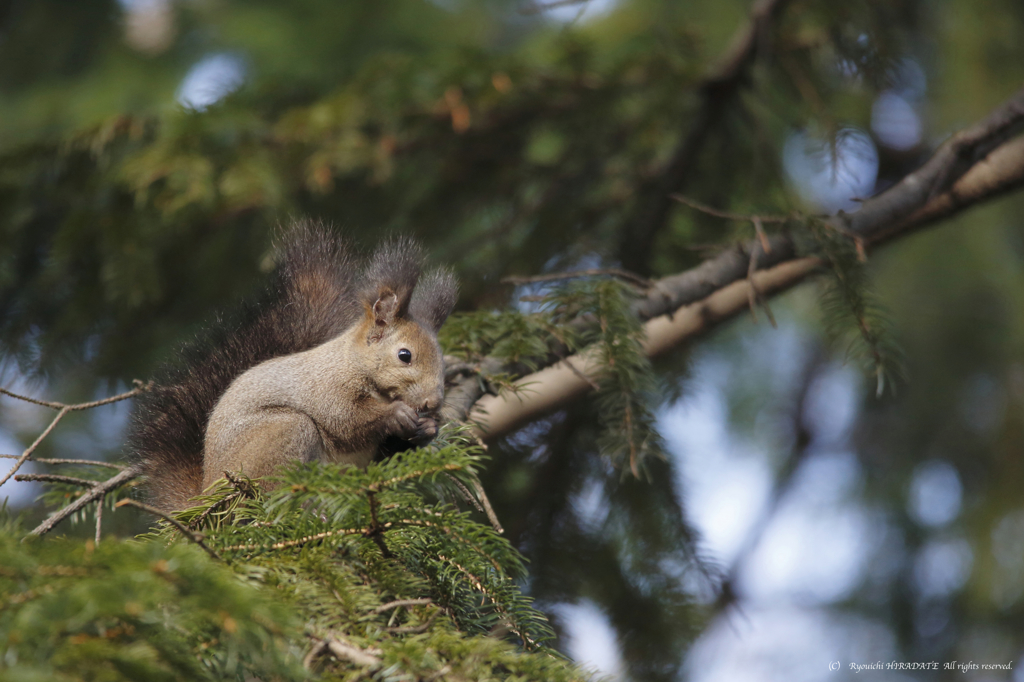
402 315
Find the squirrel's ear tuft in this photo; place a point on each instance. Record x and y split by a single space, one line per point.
393 269
385 308
434 298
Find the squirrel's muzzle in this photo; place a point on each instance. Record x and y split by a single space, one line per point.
431 404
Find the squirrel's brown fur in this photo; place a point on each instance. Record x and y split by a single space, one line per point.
310 370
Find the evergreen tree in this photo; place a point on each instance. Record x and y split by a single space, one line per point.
608 188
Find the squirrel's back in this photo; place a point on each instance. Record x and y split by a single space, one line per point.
312 298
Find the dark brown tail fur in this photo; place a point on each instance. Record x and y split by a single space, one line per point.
312 298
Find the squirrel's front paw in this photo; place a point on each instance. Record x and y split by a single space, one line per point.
404 420
406 423
426 429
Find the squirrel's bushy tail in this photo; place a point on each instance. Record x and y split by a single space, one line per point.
312 298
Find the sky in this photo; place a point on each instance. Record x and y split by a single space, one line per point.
821 543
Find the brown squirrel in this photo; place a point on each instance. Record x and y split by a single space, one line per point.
335 359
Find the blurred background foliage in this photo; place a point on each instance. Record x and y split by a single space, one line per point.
150 148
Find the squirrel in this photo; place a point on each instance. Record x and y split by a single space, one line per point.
336 358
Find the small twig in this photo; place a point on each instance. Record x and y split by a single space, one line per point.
92 462
194 537
858 240
631 277
56 478
759 229
725 215
755 294
374 532
466 495
31 448
34 401
99 518
401 602
63 410
223 502
242 484
575 370
99 490
491 516
479 501
140 387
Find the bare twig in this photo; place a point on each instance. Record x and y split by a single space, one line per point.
92 462
752 294
630 277
781 486
466 495
194 537
99 518
34 401
374 531
140 386
479 501
759 230
719 91
488 509
725 215
97 491
31 448
62 410
56 478
757 220
755 291
576 370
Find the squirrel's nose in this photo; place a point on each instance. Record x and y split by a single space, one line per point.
432 403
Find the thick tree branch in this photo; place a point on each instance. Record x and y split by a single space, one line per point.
682 306
909 203
718 91
952 160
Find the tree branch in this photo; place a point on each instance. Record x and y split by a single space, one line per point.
56 478
89 462
194 537
718 91
95 493
62 410
685 305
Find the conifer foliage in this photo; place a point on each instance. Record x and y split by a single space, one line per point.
135 611
326 572
336 573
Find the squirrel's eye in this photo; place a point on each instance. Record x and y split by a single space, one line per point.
405 355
